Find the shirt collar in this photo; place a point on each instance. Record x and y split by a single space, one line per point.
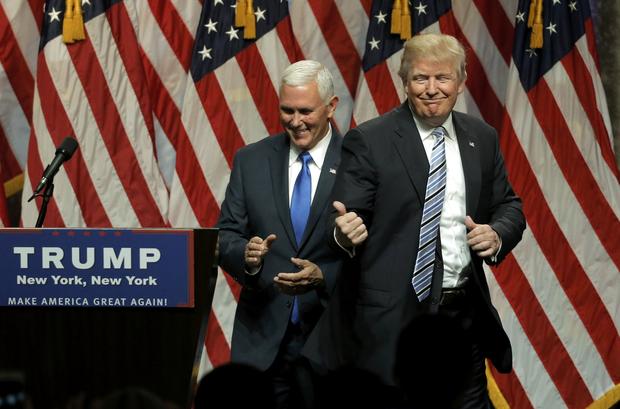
318 152
425 131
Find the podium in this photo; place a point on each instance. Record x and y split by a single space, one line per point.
88 313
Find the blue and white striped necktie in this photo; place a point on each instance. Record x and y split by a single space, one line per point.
429 229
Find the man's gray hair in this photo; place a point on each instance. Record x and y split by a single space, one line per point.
437 47
304 72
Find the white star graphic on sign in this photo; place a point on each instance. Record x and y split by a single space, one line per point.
205 52
421 8
531 53
520 17
374 44
86 2
211 26
381 17
556 2
54 15
573 6
551 28
216 2
260 14
232 33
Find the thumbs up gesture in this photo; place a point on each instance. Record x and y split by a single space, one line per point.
256 249
482 239
350 228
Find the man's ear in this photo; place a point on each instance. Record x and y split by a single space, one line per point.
331 106
461 87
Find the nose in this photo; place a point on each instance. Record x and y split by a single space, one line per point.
295 119
431 86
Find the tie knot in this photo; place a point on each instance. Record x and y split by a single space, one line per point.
439 133
305 157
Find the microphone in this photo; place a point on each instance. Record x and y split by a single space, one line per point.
63 153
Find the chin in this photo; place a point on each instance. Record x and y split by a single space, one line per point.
303 145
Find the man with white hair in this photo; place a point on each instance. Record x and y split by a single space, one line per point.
272 232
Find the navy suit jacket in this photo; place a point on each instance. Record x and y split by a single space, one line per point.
257 204
383 178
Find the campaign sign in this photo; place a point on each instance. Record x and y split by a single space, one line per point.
96 268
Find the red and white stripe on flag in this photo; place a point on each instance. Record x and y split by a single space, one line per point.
19 36
4 214
119 93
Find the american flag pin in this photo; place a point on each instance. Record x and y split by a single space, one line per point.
332 170
472 144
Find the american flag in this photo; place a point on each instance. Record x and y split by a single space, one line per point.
19 36
162 93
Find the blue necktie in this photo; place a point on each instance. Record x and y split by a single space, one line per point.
300 209
429 229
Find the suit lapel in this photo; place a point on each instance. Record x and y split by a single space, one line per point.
470 158
278 164
411 150
324 187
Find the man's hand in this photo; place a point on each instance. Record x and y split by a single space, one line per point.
481 238
256 249
308 278
350 228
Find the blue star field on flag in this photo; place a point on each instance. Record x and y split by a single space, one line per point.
563 25
380 43
217 38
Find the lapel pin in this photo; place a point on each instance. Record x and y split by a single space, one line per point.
332 170
472 144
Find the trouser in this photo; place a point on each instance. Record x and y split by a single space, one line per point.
292 379
473 392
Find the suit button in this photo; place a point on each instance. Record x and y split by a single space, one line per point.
288 304
434 300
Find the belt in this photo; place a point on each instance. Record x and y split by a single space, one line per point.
452 297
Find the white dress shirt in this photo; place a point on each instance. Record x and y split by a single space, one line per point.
315 165
454 248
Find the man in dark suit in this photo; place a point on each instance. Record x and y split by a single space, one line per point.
272 231
421 199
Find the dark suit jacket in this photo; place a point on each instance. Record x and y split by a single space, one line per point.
383 178
257 204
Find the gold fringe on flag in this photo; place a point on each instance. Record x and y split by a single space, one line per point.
495 394
14 186
608 400
73 22
240 14
249 32
395 20
405 21
536 38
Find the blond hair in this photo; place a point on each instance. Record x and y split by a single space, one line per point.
437 47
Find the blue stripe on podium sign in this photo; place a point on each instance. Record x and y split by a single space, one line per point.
96 268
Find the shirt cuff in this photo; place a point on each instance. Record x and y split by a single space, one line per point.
252 271
494 256
349 251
